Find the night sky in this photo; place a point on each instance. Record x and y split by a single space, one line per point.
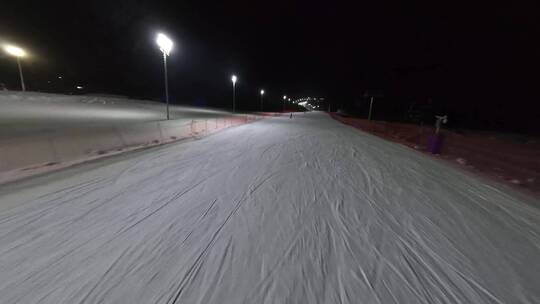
479 63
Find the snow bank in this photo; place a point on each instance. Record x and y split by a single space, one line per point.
47 131
489 153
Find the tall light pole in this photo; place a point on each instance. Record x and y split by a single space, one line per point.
165 46
289 100
370 108
234 79
262 94
18 53
284 99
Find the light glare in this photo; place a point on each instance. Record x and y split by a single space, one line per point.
14 51
165 44
262 92
234 78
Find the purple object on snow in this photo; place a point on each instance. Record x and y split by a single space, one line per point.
434 143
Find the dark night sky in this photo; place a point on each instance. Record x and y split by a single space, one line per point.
475 61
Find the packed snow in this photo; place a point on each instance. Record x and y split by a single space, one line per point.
301 210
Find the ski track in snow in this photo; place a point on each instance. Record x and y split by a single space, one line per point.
302 210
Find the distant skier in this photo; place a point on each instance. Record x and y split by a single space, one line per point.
290 116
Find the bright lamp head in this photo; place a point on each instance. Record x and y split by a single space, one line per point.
165 44
14 51
284 97
262 92
234 78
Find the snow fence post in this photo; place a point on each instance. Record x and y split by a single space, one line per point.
119 133
52 146
160 132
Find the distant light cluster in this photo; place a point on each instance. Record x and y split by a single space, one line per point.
309 102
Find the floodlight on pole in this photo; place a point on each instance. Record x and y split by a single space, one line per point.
165 46
17 52
14 50
234 79
262 93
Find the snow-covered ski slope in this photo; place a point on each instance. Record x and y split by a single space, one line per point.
23 113
302 210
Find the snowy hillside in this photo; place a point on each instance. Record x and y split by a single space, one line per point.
47 131
31 110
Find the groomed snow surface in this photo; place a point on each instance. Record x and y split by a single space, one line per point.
301 210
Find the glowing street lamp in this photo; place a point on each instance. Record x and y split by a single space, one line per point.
165 46
17 52
262 94
234 79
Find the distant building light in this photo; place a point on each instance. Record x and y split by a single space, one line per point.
79 87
